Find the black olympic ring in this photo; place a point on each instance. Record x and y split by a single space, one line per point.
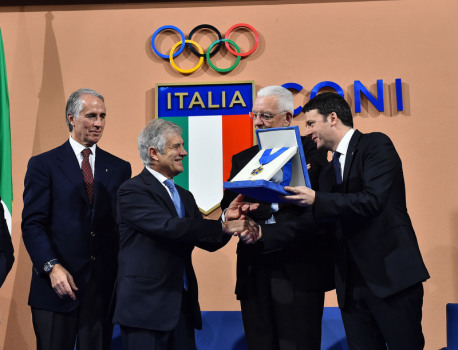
205 26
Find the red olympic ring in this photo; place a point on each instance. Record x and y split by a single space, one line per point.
243 54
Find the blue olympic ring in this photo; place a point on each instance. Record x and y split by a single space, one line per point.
153 39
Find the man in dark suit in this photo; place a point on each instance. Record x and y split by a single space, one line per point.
6 247
379 268
160 223
69 229
282 279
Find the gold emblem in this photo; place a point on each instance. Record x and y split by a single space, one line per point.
257 171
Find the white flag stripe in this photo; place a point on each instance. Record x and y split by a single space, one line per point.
206 160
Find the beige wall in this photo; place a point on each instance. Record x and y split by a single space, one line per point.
51 51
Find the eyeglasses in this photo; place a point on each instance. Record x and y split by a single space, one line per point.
265 117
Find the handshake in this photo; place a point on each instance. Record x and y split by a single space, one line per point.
238 223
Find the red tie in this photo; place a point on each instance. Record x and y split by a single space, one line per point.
87 174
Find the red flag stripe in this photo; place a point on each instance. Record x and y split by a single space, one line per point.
237 136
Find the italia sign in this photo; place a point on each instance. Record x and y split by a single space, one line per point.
216 125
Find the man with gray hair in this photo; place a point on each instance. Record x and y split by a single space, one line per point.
160 224
70 232
282 279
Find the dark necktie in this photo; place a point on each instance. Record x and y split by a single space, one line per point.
87 174
336 164
180 210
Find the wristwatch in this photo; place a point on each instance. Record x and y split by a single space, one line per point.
48 266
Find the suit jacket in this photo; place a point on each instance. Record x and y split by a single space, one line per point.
58 222
373 228
155 248
6 247
296 242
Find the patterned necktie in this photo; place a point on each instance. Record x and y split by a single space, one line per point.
336 164
87 174
180 210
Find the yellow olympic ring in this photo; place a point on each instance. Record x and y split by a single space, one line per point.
187 71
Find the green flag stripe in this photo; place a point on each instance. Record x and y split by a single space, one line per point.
6 180
183 178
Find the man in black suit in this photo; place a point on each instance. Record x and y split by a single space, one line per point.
282 279
6 247
379 268
69 230
156 294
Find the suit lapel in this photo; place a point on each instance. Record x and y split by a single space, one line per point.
69 166
352 149
103 173
153 183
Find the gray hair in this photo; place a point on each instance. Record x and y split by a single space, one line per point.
285 97
154 134
75 104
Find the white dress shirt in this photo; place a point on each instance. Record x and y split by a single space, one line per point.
342 148
161 178
78 148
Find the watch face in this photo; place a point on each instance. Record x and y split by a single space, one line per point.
48 266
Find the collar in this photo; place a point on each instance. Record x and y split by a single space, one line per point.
342 147
161 178
78 147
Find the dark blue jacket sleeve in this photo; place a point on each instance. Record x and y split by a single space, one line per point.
6 248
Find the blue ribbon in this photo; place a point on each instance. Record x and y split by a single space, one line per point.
266 157
287 171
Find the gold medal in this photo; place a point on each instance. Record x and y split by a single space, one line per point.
266 158
257 171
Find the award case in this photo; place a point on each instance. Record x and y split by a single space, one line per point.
267 183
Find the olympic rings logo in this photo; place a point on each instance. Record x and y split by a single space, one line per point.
197 50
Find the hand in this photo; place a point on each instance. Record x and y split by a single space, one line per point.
62 282
252 235
238 207
300 195
235 227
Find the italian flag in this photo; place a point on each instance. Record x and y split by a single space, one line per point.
6 180
211 141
